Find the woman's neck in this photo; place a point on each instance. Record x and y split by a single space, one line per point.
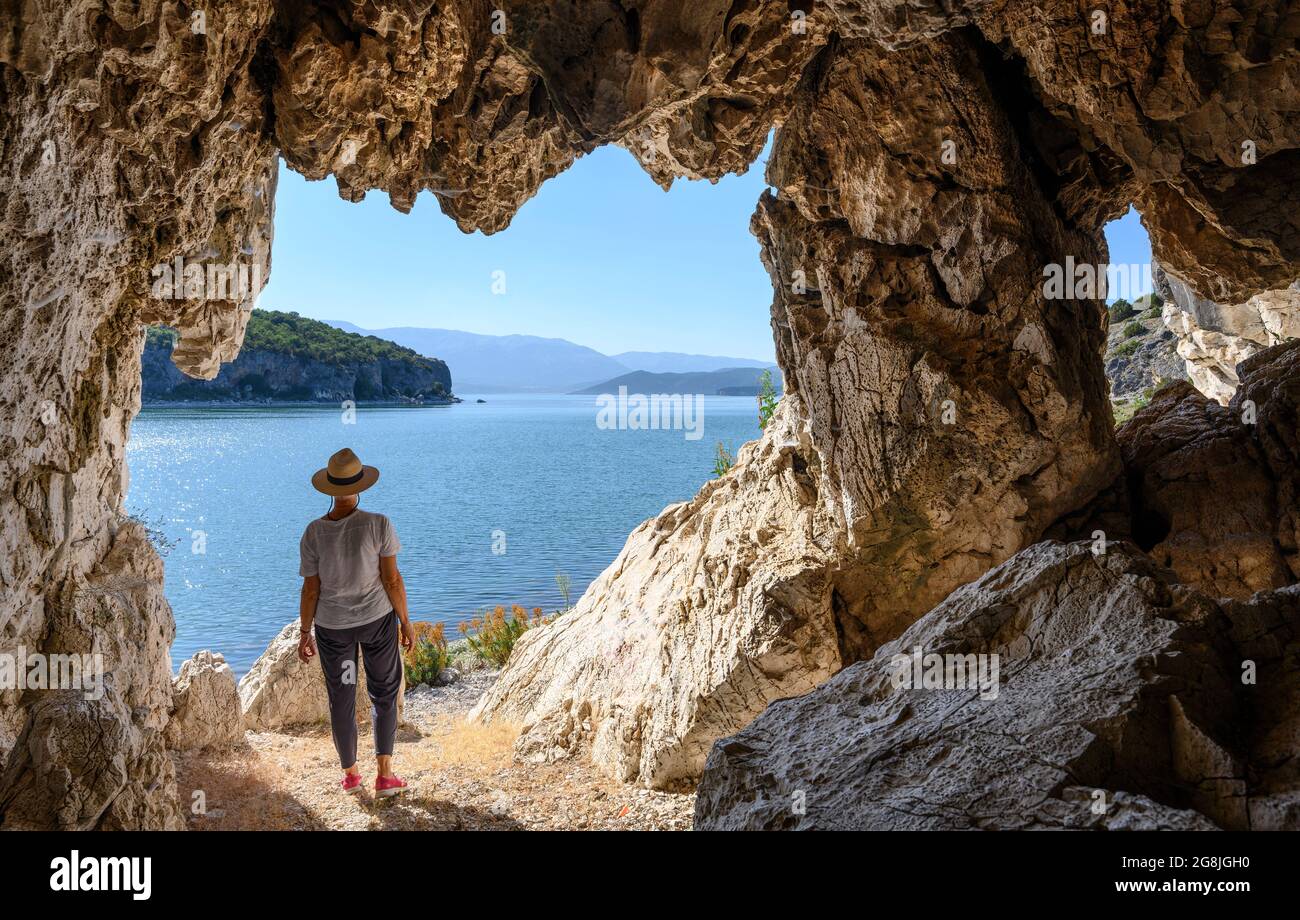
337 514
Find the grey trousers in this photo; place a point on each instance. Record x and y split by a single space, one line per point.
382 659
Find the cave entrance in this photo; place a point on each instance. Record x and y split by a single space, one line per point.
517 494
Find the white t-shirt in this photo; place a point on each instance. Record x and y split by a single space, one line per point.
345 554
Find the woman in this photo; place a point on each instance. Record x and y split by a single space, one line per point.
354 596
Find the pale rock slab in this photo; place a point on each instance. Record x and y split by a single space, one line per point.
205 705
1119 705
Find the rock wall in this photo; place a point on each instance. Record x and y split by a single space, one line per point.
932 159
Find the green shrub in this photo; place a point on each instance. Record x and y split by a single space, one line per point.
1120 310
564 583
492 636
429 657
1126 349
1126 409
767 398
1134 329
723 460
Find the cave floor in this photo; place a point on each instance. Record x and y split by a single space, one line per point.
461 777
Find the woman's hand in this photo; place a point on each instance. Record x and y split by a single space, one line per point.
306 647
408 636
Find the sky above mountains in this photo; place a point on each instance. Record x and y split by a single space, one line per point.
600 256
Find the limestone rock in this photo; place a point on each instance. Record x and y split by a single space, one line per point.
1118 703
712 610
1214 338
205 705
956 408
281 691
93 757
1213 489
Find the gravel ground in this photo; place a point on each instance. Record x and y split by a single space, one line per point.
461 776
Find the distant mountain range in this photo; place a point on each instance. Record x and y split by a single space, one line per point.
529 363
727 381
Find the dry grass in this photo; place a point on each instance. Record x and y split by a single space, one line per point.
463 743
461 775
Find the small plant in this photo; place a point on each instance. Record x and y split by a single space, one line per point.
492 636
564 583
723 460
1134 329
153 531
1126 349
767 398
429 657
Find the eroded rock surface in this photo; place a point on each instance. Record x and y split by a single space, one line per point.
1213 489
1214 338
1116 688
205 705
282 691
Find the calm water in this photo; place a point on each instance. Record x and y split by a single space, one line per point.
565 493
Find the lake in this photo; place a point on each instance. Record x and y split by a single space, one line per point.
532 475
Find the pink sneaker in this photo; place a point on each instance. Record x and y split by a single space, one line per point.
351 782
386 786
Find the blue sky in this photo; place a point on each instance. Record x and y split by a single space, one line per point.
600 256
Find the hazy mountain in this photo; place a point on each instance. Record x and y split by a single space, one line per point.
502 363
729 381
523 363
673 362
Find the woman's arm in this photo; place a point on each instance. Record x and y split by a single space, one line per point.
395 588
307 615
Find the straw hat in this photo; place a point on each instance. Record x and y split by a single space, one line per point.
344 475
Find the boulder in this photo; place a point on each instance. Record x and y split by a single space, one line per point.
281 691
1213 489
1119 702
205 705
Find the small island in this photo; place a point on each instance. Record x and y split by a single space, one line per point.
287 358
